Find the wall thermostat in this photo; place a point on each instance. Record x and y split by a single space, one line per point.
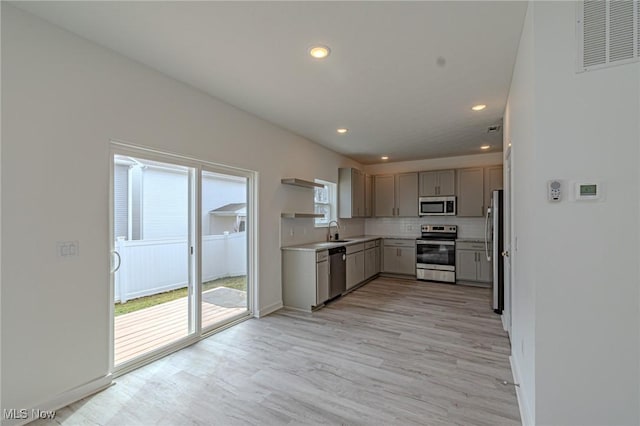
553 190
587 191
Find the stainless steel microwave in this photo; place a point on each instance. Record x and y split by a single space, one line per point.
437 206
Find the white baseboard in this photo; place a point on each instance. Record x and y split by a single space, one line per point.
269 309
525 410
60 401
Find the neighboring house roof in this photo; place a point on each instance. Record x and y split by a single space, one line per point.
233 209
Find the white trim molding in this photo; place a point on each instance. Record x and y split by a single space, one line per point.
61 400
525 410
269 309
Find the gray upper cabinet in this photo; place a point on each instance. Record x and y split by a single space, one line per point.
384 195
351 193
407 195
437 182
368 195
471 192
492 181
396 195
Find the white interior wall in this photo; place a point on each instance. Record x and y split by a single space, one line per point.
587 315
477 160
64 99
519 131
576 275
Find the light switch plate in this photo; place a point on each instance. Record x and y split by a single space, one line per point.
68 248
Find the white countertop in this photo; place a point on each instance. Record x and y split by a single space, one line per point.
325 245
470 240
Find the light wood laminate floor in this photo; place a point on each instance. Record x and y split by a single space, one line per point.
392 352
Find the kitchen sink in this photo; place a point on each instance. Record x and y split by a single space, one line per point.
340 241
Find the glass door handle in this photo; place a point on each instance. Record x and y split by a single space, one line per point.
119 262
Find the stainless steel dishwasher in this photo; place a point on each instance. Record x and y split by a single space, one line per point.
337 271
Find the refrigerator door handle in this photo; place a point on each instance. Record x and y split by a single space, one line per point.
486 235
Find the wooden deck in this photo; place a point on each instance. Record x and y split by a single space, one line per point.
142 331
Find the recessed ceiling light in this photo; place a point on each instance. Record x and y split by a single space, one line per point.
384 157
485 147
478 107
319 52
342 130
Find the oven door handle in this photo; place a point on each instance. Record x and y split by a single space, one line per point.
441 243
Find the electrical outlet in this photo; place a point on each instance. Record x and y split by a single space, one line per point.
409 227
291 233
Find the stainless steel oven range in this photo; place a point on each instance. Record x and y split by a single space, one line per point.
436 253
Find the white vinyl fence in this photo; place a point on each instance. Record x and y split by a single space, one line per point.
151 267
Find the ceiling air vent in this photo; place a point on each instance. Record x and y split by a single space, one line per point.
494 129
608 33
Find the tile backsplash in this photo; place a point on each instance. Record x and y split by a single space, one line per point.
468 227
303 231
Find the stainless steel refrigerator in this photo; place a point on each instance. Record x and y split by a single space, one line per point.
493 234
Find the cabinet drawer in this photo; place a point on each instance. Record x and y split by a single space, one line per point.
322 255
370 244
395 242
353 248
469 245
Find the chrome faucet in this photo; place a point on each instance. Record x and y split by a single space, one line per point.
329 230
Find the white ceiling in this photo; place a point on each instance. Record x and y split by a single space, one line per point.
382 80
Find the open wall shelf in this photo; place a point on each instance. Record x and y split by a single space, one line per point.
299 215
301 182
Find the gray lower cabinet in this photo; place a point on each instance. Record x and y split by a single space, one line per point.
322 281
305 278
355 268
371 259
399 256
472 263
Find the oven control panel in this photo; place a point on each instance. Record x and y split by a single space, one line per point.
445 229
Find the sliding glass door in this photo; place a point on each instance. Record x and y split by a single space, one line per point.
153 284
224 225
182 251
